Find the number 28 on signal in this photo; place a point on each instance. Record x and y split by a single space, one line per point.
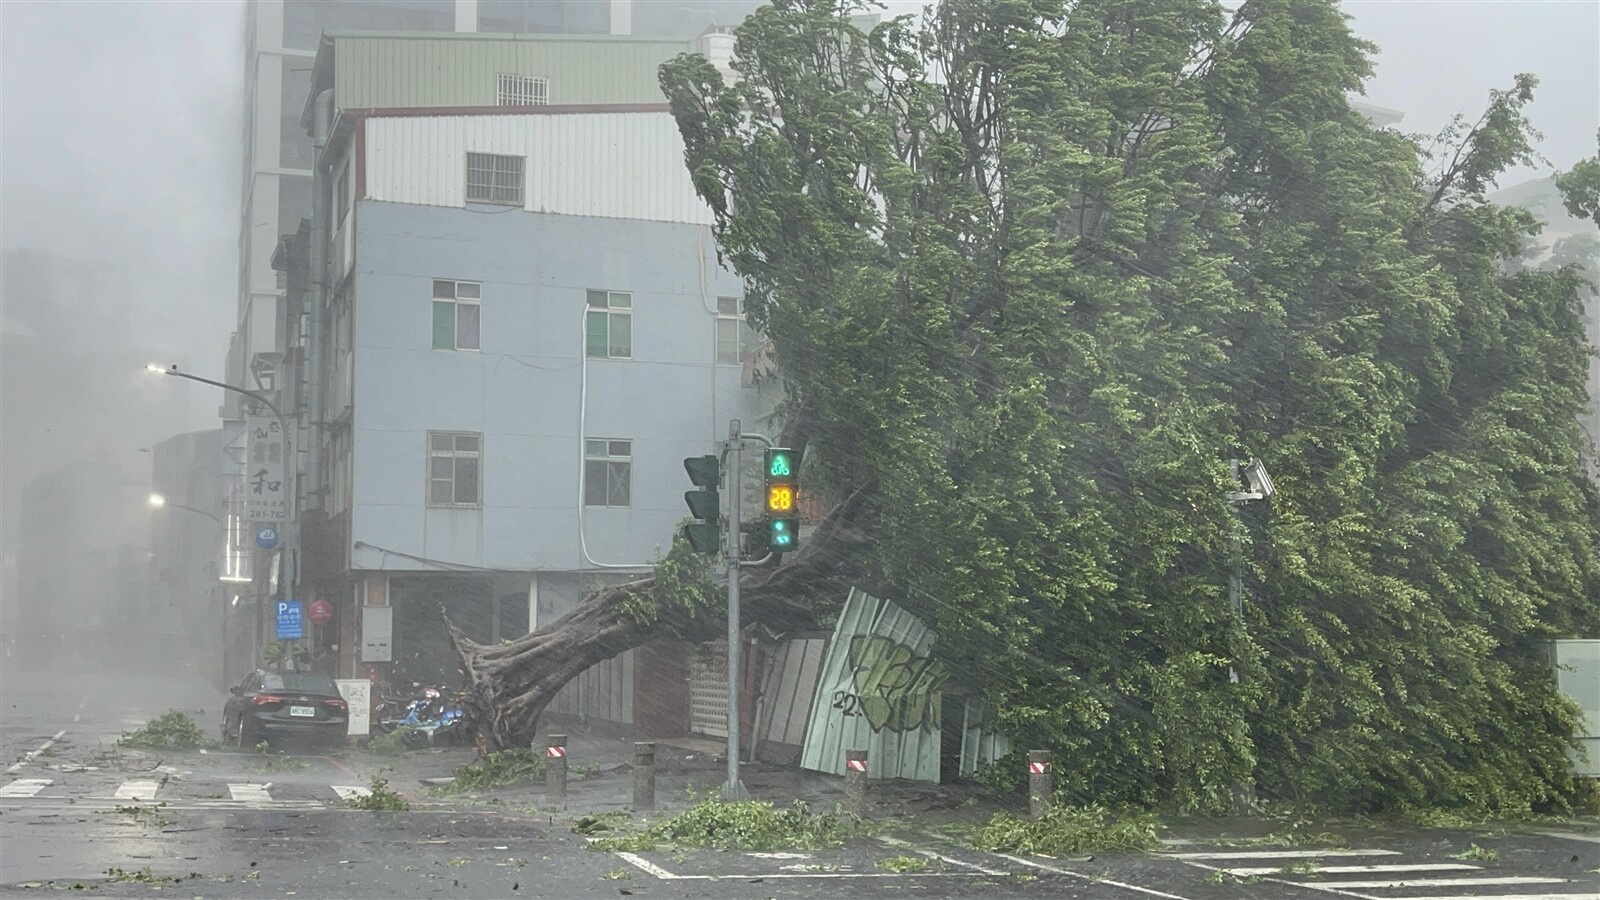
780 497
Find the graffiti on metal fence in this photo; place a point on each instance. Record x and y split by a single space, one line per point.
894 688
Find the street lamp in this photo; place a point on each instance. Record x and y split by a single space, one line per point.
157 501
291 532
291 536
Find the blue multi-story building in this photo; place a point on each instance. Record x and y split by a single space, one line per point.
524 331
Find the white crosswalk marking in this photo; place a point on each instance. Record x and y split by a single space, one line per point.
1506 897
1449 882
250 793
1281 854
348 792
1249 871
24 787
137 790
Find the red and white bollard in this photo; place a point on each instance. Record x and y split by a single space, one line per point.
555 769
855 781
1041 783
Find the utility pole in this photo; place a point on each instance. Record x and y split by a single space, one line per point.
734 789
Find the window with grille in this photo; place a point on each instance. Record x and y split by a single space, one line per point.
523 90
608 327
492 178
607 472
735 338
455 460
456 315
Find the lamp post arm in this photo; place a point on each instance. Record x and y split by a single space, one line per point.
200 511
227 387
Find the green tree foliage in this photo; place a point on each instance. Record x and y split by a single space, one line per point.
1034 270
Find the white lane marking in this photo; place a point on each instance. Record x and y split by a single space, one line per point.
1280 854
1308 885
136 790
650 868
251 793
1057 870
762 875
32 753
348 792
1444 882
1507 897
1567 835
77 716
896 842
24 787
1252 871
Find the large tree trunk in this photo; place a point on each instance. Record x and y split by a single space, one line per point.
509 685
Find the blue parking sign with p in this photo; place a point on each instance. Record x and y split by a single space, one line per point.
291 625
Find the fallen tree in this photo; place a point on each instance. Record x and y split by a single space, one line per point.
510 685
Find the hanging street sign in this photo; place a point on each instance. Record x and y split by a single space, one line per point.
266 496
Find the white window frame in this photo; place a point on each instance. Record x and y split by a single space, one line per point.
497 172
614 305
730 310
459 304
455 453
522 90
608 453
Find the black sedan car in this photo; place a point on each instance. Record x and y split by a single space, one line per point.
277 703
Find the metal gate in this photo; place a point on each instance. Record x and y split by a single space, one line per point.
708 689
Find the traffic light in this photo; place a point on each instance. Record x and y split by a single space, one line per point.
781 471
705 535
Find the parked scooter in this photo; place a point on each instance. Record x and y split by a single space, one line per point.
431 718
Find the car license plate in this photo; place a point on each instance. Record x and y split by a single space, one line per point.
302 710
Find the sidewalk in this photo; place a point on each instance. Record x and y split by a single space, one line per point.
688 770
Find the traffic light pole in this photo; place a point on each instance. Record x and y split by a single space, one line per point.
733 451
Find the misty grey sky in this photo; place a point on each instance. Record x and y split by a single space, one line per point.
1440 57
121 144
121 128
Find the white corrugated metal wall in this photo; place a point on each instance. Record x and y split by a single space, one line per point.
624 165
895 718
603 692
787 691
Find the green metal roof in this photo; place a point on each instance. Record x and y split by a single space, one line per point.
385 69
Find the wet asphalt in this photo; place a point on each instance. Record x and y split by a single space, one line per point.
80 815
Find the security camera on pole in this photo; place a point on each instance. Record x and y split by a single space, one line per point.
1254 475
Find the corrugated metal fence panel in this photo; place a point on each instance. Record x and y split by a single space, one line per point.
980 743
708 689
789 688
878 691
384 72
603 692
612 165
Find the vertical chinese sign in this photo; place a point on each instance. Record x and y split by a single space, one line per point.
266 500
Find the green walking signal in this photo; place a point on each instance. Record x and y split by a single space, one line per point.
781 472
